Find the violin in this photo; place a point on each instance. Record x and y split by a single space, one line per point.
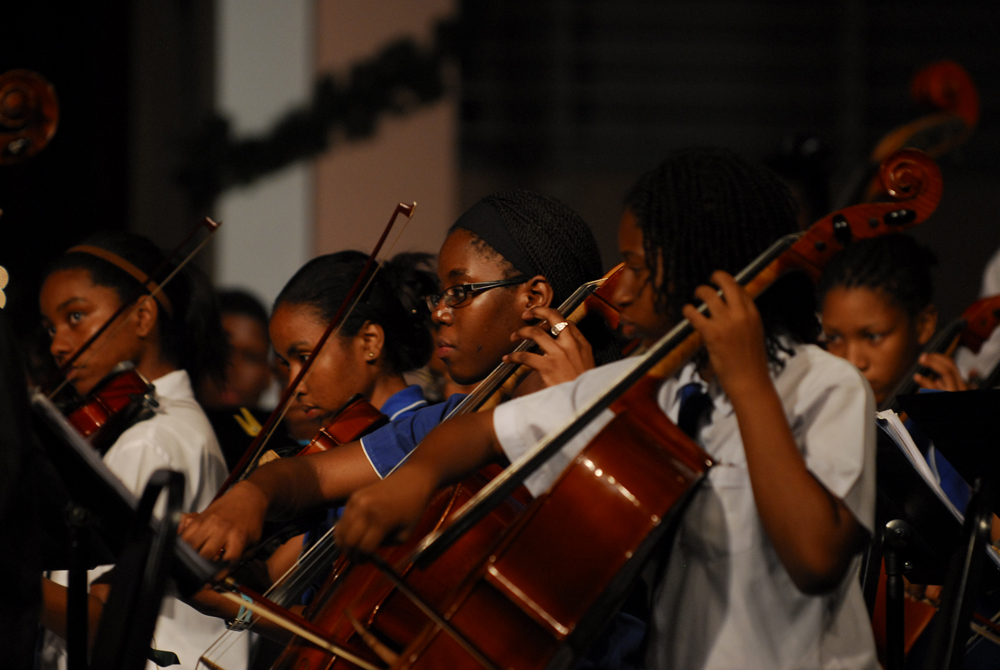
548 584
124 396
970 330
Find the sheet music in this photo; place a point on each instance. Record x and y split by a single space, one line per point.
893 426
891 423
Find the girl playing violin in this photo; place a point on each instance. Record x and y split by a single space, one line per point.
762 571
876 312
174 340
381 339
505 262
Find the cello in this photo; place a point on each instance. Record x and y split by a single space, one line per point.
538 596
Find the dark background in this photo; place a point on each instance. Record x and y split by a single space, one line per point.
574 98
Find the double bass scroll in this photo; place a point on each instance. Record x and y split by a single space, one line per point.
29 114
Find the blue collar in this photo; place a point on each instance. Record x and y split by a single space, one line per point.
404 402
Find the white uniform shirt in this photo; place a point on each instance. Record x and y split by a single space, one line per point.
179 437
725 600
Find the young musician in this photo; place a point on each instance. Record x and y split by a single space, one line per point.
762 571
876 312
505 264
382 338
174 340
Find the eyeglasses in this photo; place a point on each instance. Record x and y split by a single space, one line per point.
456 295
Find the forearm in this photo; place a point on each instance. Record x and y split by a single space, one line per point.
812 531
291 486
456 448
53 612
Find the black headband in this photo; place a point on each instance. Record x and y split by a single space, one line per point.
484 221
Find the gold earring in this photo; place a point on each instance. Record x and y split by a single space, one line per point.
371 355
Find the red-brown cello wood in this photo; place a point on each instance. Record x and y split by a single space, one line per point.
29 115
537 598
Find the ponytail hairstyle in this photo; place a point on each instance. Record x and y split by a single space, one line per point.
188 322
705 209
896 265
532 234
390 301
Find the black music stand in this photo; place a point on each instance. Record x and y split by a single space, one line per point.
914 532
102 522
965 428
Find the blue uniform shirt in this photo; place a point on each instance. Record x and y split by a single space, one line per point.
389 446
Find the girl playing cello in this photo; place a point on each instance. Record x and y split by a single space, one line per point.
762 571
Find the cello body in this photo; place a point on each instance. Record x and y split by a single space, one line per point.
529 607
360 591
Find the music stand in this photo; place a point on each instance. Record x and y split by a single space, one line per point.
964 427
104 514
915 534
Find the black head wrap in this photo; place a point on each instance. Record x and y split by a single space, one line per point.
537 235
484 221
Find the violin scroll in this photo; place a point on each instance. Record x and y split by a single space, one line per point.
29 114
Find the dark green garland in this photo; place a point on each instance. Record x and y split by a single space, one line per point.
398 80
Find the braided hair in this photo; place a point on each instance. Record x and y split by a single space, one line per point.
560 246
896 265
705 209
324 282
192 337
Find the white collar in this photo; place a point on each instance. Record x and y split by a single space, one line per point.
174 385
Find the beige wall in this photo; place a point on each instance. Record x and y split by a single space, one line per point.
413 158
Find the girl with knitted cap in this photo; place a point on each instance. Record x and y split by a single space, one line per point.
761 572
503 267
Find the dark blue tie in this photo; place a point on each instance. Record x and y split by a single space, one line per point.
695 404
